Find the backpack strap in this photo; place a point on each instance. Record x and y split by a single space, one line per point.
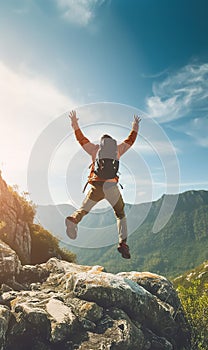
85 186
121 186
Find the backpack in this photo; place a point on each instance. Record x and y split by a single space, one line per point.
107 163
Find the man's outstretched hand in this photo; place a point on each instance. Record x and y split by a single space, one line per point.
74 120
136 122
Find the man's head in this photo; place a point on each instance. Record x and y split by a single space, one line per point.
108 147
105 136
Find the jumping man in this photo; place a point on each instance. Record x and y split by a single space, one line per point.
103 179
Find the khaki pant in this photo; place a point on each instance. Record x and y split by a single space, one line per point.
111 193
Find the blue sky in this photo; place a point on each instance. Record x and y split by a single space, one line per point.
145 56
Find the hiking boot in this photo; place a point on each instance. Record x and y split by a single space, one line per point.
71 227
123 249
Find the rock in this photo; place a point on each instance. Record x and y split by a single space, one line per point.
155 284
5 315
34 273
163 289
14 226
109 290
86 309
63 320
69 306
9 263
5 288
120 332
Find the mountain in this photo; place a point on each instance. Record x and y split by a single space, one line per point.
179 246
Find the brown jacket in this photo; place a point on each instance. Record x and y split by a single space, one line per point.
92 150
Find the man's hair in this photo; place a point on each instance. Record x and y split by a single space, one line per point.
106 136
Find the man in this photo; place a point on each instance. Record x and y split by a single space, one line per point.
101 187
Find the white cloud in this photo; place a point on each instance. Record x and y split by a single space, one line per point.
180 93
27 105
198 129
79 12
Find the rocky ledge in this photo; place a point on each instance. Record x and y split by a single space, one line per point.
61 305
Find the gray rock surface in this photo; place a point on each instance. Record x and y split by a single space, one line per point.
67 306
4 323
9 263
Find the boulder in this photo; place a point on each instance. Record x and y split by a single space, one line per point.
9 263
5 315
69 306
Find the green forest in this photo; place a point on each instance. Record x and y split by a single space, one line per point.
192 289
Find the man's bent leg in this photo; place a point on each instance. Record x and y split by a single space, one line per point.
94 195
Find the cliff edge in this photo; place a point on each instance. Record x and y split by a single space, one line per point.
60 305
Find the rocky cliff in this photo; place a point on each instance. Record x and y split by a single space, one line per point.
60 305
32 243
14 226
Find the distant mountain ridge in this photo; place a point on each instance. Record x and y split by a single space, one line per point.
181 245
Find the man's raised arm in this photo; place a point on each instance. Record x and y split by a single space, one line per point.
128 142
83 141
